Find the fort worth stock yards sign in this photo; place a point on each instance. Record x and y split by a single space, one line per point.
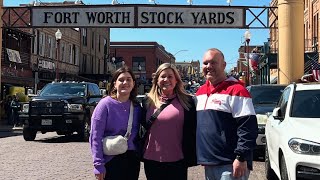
142 16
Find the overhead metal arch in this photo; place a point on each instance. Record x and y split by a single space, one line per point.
140 16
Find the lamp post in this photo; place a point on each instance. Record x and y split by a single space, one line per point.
58 35
123 63
182 50
247 36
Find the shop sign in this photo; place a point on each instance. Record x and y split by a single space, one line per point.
135 16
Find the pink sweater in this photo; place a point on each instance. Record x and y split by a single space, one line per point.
164 143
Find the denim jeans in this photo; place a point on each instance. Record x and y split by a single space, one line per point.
222 172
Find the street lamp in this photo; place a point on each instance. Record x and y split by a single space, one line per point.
58 35
247 36
123 63
182 50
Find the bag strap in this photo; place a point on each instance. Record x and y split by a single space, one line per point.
128 133
154 116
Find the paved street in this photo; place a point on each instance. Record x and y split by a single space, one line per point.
52 157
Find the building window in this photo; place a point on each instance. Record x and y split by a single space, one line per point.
84 63
76 55
136 61
42 40
92 40
35 42
84 37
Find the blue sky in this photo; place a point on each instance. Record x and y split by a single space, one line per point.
195 41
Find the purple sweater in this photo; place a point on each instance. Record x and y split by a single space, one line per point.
110 118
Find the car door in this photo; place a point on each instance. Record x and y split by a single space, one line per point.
276 126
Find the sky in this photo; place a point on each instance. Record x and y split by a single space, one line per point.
186 44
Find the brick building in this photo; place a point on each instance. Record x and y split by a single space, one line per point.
146 55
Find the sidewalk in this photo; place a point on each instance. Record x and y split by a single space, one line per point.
4 127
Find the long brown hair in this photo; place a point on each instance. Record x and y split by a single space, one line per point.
115 75
155 91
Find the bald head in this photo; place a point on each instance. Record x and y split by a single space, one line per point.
214 65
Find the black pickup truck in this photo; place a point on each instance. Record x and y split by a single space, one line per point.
64 107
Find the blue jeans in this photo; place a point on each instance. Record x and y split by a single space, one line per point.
222 172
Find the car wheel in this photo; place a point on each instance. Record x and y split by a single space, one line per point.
29 134
283 169
270 175
84 132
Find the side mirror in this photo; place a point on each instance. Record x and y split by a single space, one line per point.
29 91
276 112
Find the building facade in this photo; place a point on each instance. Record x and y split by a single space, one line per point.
142 57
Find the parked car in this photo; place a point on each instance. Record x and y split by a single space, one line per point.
63 107
264 98
293 144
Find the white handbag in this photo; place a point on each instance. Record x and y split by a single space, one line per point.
118 144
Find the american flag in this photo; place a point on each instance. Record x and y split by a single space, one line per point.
315 66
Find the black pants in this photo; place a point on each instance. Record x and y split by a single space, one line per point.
165 170
123 167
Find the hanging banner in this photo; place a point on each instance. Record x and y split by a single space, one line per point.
139 16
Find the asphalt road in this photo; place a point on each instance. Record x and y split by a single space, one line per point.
52 157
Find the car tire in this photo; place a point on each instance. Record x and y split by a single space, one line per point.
29 134
283 169
84 132
270 174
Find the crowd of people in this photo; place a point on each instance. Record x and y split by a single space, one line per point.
172 130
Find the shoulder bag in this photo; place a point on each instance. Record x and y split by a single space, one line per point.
118 144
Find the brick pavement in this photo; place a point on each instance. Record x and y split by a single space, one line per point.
52 157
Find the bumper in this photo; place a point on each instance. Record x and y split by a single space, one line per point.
302 166
55 123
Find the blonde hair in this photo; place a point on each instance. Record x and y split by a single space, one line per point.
155 91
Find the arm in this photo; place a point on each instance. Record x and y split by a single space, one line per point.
98 124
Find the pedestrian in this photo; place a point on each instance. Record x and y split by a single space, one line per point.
171 137
110 118
15 108
226 125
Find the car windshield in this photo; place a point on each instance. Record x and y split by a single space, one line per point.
266 94
71 89
306 104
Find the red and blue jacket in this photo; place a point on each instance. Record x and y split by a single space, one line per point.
226 123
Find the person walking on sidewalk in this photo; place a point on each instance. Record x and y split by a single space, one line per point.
15 107
226 122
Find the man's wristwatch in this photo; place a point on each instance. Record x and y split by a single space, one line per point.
240 158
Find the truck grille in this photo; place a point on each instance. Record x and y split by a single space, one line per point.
46 107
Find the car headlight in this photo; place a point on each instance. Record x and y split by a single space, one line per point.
262 118
25 108
301 146
75 107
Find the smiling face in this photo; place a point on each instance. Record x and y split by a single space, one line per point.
213 66
167 81
124 84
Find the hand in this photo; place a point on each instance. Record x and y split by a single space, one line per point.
239 168
100 176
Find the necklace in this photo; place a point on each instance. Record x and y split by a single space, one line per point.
123 106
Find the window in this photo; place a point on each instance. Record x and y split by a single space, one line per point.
99 43
71 53
283 102
92 40
136 61
42 40
35 42
84 63
62 52
84 37
306 104
76 55
51 43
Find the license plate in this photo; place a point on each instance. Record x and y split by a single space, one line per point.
46 122
69 121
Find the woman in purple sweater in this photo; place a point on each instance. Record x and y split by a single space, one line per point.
110 118
170 146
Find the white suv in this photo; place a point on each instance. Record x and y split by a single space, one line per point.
293 134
